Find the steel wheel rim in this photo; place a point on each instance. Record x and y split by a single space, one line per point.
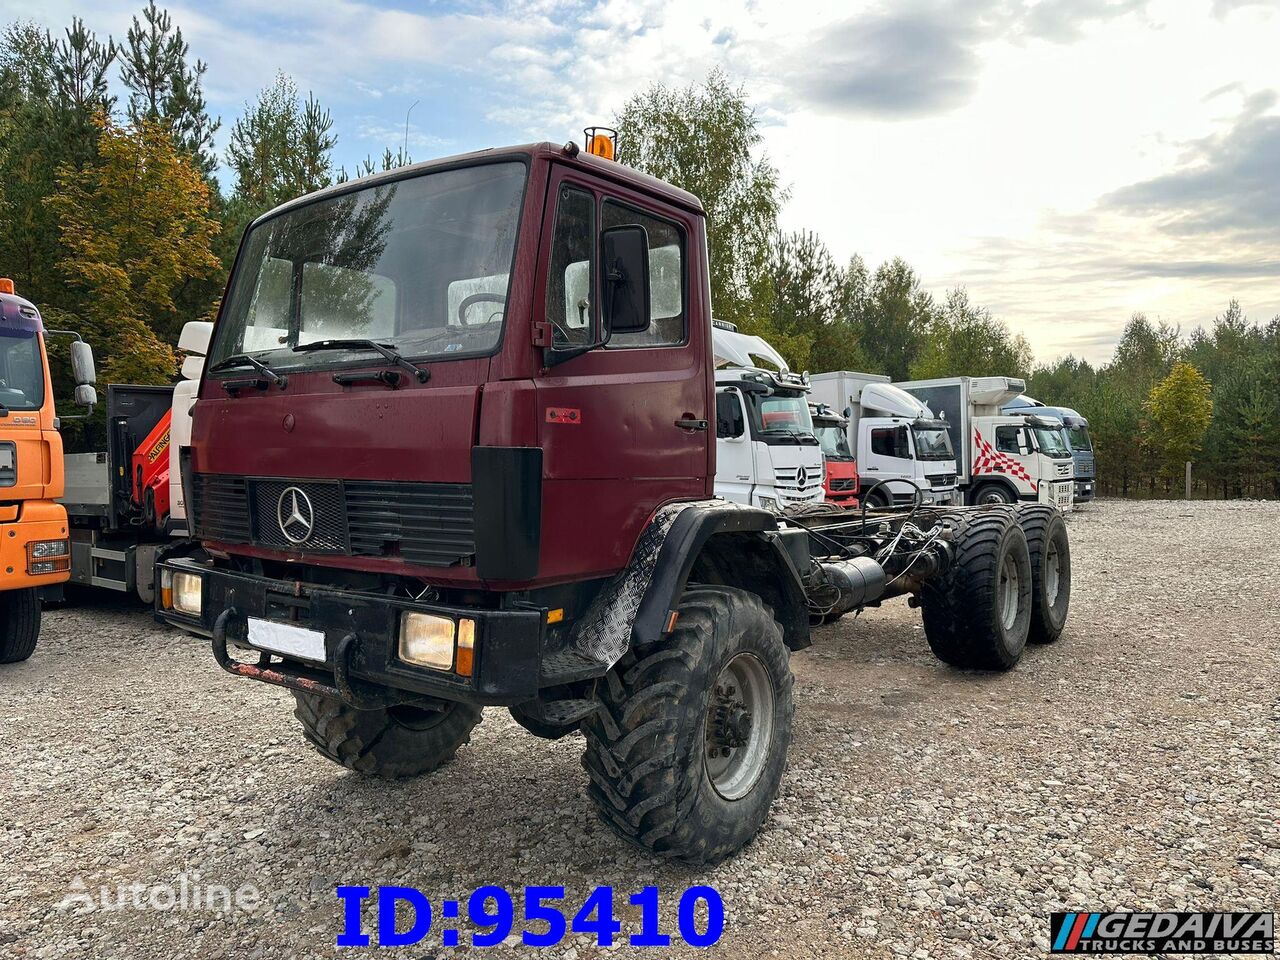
736 752
1010 587
1052 573
993 496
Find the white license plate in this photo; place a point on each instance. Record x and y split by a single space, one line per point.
287 639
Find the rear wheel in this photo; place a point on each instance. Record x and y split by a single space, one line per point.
1050 550
392 742
687 752
19 624
877 500
977 613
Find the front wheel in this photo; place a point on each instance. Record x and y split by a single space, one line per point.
687 751
992 493
19 624
391 742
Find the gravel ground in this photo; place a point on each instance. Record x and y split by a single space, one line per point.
925 812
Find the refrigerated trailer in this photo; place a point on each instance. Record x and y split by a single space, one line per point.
1000 458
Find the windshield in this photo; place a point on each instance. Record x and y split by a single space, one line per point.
420 263
21 371
834 441
1051 443
933 443
779 418
1080 439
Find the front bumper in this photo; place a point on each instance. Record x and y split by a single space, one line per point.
1084 490
361 639
35 520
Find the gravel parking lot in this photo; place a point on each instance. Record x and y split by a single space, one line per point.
925 813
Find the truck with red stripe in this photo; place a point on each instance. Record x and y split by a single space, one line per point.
1000 457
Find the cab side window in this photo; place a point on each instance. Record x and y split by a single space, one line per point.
666 278
729 419
570 281
891 442
1007 439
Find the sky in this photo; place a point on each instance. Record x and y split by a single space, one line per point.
1070 162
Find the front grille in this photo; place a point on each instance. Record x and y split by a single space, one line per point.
220 508
305 515
942 480
426 523
842 484
1064 469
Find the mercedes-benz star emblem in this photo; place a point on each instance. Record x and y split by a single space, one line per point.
295 515
802 477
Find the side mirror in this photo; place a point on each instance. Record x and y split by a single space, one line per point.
82 366
86 395
626 279
195 337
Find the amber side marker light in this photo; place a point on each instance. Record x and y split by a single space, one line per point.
6 285
601 142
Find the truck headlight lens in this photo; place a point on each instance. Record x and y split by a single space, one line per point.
769 503
48 556
427 640
188 593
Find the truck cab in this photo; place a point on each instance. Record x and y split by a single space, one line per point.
903 452
35 550
1075 432
1003 458
840 466
767 454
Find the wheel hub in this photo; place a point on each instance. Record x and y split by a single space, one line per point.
730 723
739 726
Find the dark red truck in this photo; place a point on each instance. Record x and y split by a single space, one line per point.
451 449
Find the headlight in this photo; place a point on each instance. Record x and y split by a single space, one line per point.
48 556
187 593
769 503
427 640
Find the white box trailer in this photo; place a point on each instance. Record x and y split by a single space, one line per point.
999 458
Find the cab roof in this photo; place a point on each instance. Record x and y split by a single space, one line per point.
569 154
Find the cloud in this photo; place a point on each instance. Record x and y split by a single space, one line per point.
1227 189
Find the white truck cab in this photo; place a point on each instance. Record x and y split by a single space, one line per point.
766 452
895 438
1003 458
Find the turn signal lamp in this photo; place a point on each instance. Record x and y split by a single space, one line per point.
6 285
466 648
601 142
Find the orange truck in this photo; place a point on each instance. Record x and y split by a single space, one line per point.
35 548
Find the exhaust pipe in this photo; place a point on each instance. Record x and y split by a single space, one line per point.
847 585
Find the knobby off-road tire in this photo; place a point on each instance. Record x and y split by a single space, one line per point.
391 742
977 614
651 776
1050 551
19 624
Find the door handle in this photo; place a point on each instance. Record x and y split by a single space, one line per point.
692 424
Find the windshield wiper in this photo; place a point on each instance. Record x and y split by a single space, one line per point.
388 352
243 359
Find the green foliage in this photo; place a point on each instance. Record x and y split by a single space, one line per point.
964 337
1180 407
705 138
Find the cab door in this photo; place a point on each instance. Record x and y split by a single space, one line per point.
626 426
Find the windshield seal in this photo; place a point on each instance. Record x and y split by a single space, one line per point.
284 357
1051 443
779 436
928 449
16 398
